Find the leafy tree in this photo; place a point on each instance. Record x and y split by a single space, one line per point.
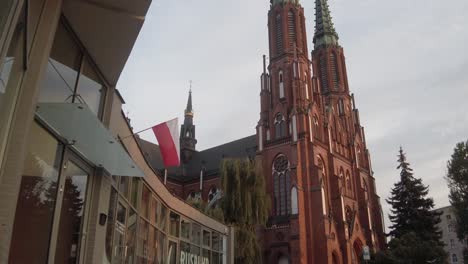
245 205
416 238
457 177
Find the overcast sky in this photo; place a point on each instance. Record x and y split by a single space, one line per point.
407 64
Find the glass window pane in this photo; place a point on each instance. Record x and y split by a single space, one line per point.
174 225
11 71
5 11
215 241
131 237
90 89
124 186
162 223
59 81
142 252
172 253
111 224
185 229
153 214
134 194
196 234
160 256
71 215
206 238
36 201
145 200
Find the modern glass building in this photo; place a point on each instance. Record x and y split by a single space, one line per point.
74 188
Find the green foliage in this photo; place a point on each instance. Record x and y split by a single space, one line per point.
245 205
414 224
457 177
214 212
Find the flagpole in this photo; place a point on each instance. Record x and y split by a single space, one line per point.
146 129
165 176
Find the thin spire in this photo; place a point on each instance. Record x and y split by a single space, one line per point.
275 2
325 33
188 109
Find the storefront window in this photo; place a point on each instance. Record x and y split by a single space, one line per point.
37 197
160 255
172 253
163 218
206 238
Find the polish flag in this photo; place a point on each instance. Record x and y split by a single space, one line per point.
167 135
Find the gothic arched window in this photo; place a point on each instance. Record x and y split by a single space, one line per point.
279 34
294 205
334 70
212 193
281 84
323 74
348 184
280 126
341 182
282 182
316 127
291 28
306 85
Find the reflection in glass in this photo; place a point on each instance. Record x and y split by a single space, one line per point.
134 193
119 234
174 224
131 237
111 224
36 201
185 229
160 256
11 70
124 186
145 200
163 217
90 88
63 66
5 9
142 252
172 253
71 215
196 234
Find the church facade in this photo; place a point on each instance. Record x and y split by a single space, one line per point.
318 171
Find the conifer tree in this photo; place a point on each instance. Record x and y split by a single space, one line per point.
413 220
457 177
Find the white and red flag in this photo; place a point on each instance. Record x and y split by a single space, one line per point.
167 135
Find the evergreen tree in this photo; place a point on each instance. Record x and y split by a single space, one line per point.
245 205
413 219
457 177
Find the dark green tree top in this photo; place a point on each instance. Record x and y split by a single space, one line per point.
411 210
457 177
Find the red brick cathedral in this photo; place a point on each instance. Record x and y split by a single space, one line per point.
312 145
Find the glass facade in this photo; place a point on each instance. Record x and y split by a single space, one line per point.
154 234
11 72
70 76
51 203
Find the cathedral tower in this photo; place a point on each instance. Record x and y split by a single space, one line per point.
188 141
317 167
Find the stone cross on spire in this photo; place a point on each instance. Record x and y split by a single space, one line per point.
325 33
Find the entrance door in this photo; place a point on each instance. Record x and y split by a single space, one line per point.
67 231
51 203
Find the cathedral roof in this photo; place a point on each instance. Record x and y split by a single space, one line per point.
209 159
325 33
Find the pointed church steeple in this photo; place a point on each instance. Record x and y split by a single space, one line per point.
325 33
188 109
188 141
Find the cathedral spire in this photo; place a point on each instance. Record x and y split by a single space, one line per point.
325 33
188 109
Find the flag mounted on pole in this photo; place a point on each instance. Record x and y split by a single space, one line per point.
167 135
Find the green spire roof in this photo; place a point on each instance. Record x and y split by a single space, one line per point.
275 2
325 33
